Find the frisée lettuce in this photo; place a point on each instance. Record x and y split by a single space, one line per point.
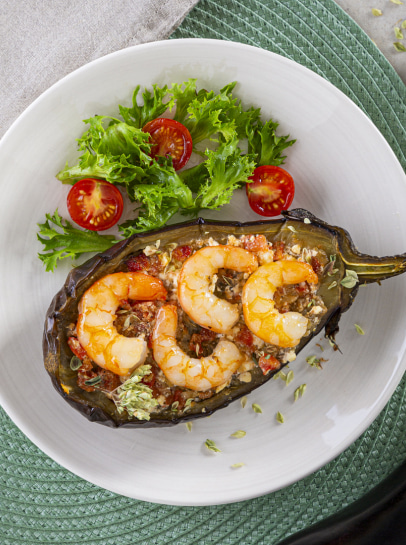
229 141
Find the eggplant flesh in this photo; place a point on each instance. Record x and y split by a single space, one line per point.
296 227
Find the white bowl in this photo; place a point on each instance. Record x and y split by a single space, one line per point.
345 173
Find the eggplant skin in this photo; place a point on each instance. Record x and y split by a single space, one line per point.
296 226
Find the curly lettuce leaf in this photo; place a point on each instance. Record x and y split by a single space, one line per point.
228 169
112 168
160 198
183 94
153 106
265 145
117 138
157 208
207 114
62 240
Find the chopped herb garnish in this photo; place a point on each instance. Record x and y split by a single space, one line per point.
313 361
289 377
189 426
93 381
134 397
211 445
376 12
398 33
239 434
127 322
279 418
291 228
306 220
333 257
75 363
299 391
399 47
236 466
188 404
281 375
320 346
350 280
174 406
332 285
244 401
332 272
403 25
398 2
254 359
257 408
359 329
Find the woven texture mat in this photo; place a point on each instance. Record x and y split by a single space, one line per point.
42 503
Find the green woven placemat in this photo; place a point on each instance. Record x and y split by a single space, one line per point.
42 503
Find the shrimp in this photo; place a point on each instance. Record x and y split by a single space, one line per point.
199 374
194 293
260 315
95 327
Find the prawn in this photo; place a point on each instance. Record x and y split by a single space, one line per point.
199 374
96 331
260 315
196 276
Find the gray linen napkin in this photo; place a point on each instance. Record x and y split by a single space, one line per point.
43 40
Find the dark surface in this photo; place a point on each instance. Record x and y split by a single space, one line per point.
377 518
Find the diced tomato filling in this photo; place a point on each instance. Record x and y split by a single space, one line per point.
257 243
76 348
181 253
279 248
268 363
316 265
150 264
198 340
244 336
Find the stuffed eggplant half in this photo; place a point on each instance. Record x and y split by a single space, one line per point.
172 325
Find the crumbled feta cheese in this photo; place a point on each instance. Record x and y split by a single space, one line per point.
212 242
161 400
245 377
291 356
233 241
265 257
170 277
296 249
316 310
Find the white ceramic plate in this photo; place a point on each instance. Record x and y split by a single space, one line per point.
345 173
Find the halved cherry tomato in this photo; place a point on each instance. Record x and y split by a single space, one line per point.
169 137
95 204
271 191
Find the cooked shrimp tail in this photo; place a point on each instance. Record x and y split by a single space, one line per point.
199 374
260 314
195 293
97 312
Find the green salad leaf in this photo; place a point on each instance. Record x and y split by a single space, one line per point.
153 106
229 140
228 169
265 145
63 240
